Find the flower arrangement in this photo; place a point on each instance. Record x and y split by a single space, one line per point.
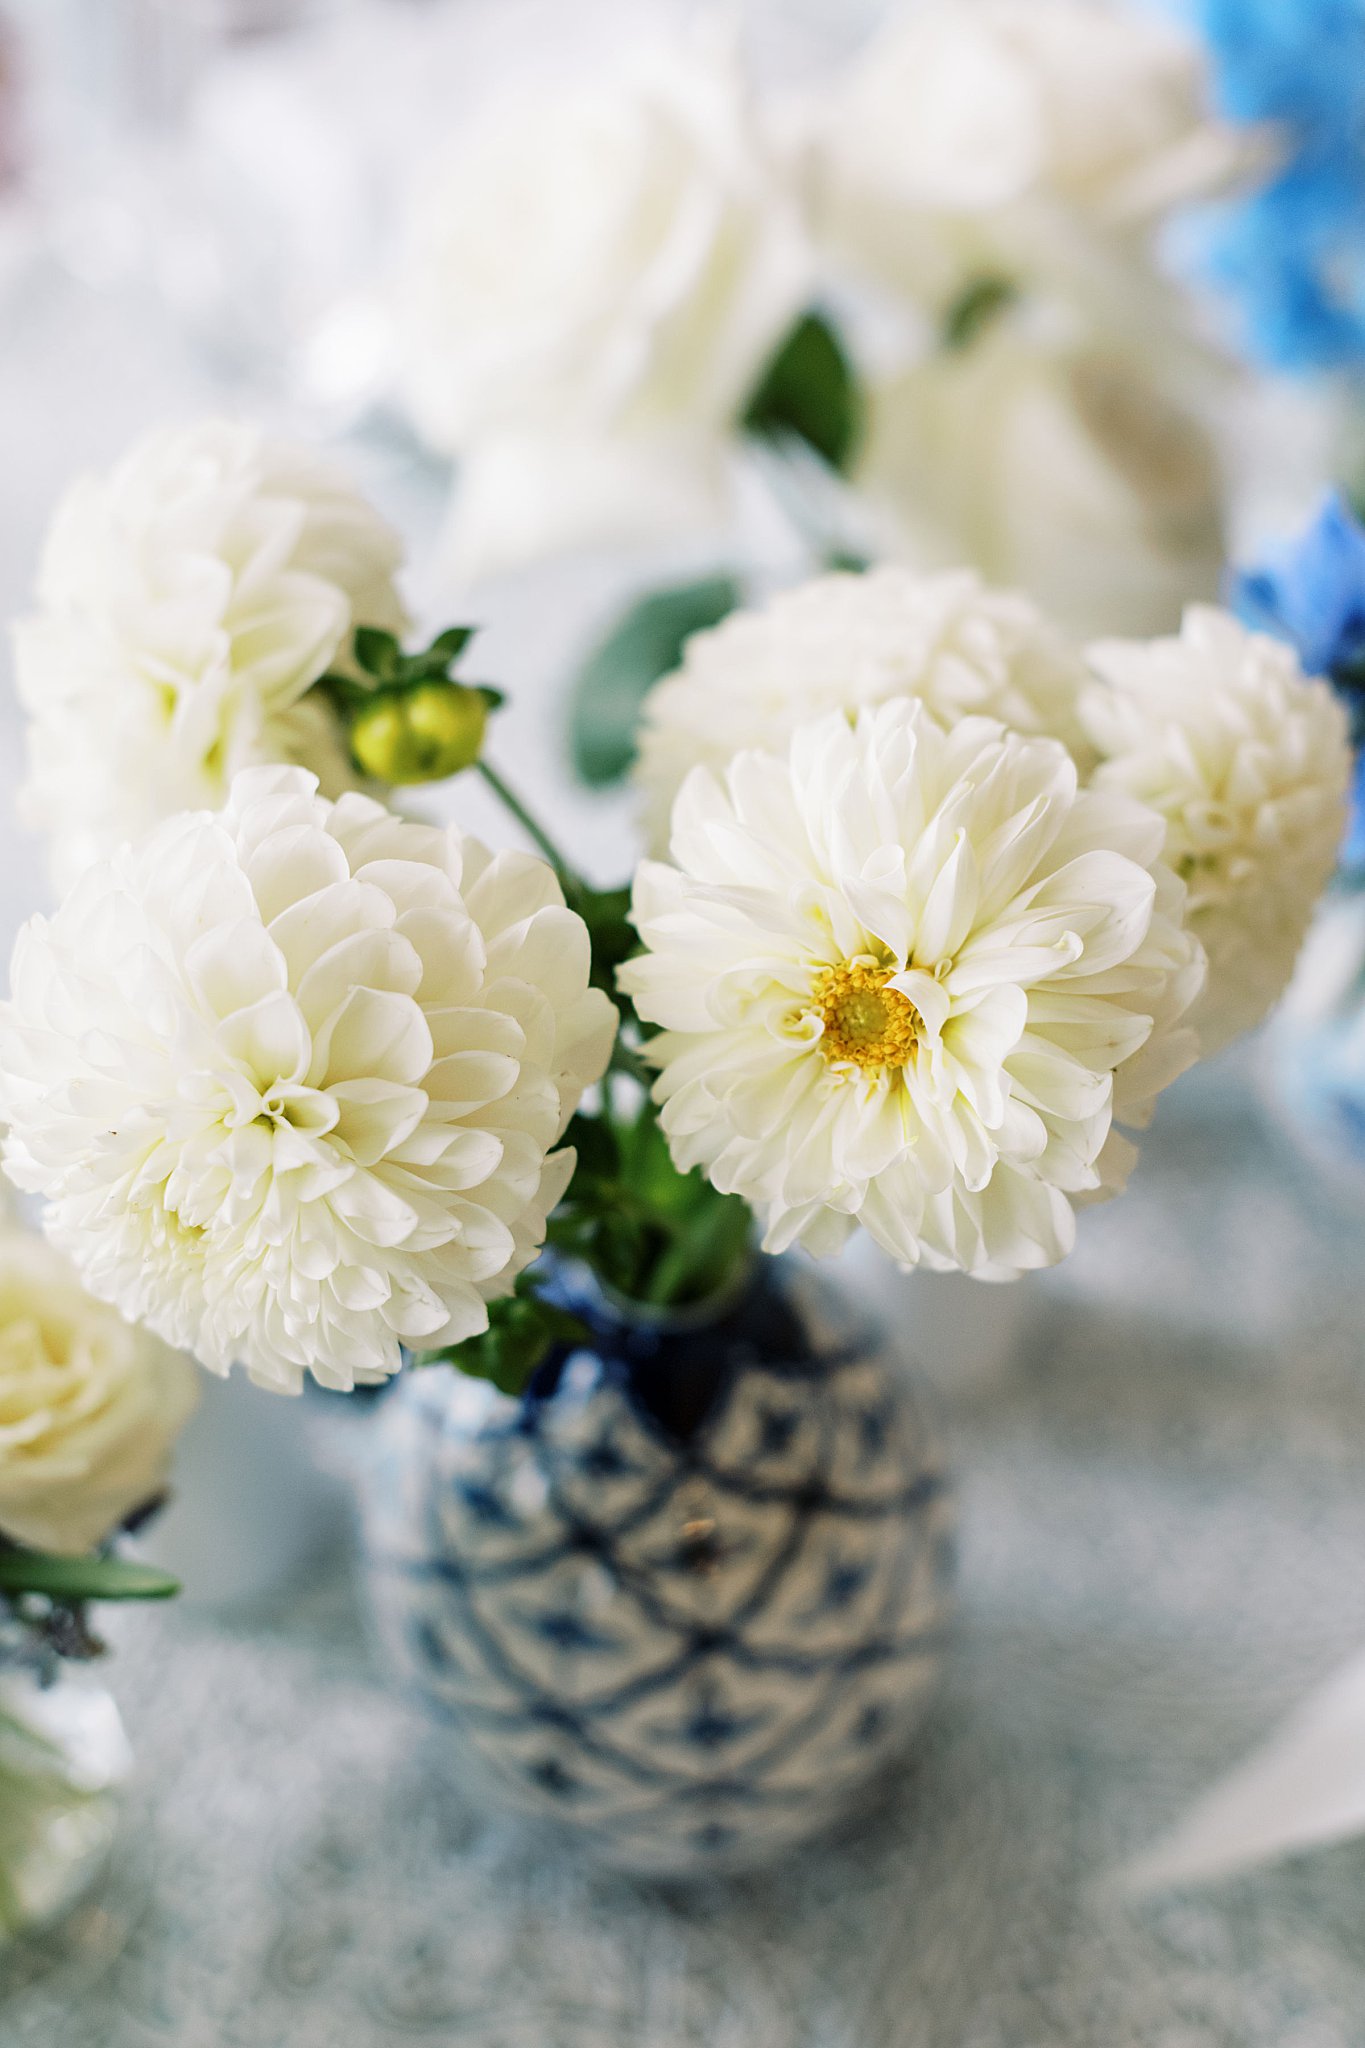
957 853
920 314
307 1085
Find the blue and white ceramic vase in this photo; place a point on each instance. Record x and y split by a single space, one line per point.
687 1596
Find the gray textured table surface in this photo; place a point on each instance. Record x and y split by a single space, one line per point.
1163 1522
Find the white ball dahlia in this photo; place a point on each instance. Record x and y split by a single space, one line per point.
290 1078
89 1408
842 642
909 978
1248 761
187 601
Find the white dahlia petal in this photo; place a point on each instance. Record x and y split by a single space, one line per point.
1248 762
901 973
845 641
289 1090
187 602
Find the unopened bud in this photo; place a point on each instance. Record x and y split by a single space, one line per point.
420 735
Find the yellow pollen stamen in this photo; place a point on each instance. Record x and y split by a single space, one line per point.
864 1020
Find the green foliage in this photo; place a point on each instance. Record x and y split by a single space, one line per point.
612 683
380 654
70 1580
606 913
649 1232
809 389
522 1331
975 308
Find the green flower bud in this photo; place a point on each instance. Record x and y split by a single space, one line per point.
420 735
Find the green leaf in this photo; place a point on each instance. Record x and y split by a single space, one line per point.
378 652
700 1258
975 308
592 1138
522 1331
613 681
606 913
72 1579
447 647
809 389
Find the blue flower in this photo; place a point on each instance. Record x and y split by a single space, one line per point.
1293 252
1311 592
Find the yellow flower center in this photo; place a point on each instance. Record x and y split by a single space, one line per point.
864 1020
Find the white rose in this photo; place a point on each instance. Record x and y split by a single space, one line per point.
962 115
1068 468
592 283
187 601
89 1407
1248 761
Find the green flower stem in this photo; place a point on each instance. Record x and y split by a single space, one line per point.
569 876
626 1060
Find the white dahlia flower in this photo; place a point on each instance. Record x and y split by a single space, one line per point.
290 1078
1248 761
593 279
187 601
910 978
89 1408
842 642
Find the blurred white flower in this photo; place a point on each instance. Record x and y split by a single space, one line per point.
909 978
289 1078
963 119
1248 761
845 641
593 280
1073 469
187 601
89 1408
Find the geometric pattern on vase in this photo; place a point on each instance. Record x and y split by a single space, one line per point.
693 1649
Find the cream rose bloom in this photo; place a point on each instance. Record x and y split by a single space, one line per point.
89 1408
290 1078
1068 465
593 280
910 978
969 127
1249 762
842 642
187 601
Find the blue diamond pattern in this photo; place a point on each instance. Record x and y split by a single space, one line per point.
716 1646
